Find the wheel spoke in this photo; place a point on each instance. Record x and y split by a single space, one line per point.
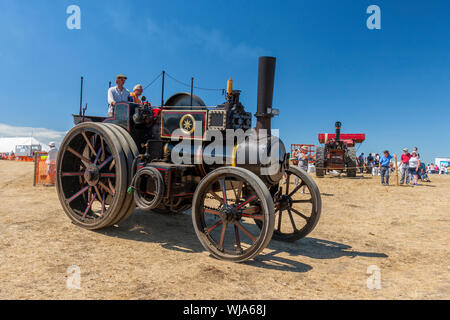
251 209
102 158
88 143
99 197
296 189
300 214
224 190
72 174
302 201
215 196
238 241
103 204
83 158
292 220
98 154
239 192
222 235
279 220
207 210
89 206
113 163
106 188
245 202
288 179
76 195
107 175
214 226
245 231
111 186
105 162
253 216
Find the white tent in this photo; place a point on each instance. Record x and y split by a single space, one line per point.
9 144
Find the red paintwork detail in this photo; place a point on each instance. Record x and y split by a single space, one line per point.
165 173
245 202
77 194
349 138
217 224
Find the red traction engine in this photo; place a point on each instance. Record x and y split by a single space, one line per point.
338 152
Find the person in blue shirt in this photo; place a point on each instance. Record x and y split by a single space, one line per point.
361 162
384 164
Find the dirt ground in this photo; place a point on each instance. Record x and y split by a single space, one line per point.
403 232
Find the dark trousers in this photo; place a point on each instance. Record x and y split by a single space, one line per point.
384 175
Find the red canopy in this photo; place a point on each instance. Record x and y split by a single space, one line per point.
355 137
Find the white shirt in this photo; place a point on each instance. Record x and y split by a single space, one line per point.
52 154
114 94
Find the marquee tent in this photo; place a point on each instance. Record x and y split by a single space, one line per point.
9 144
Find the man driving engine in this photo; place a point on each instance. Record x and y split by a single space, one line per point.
117 93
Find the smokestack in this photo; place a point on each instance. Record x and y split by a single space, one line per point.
266 76
338 126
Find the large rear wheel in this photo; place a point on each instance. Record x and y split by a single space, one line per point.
92 176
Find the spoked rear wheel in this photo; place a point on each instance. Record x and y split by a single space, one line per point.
226 205
92 176
298 205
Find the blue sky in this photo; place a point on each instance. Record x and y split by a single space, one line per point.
392 84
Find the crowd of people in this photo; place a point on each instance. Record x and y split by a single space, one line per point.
410 166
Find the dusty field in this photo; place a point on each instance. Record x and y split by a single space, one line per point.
404 231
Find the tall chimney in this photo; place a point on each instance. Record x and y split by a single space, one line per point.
338 126
266 76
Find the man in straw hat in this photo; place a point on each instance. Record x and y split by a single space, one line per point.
117 93
404 167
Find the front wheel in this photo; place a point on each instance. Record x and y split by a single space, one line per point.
226 204
298 205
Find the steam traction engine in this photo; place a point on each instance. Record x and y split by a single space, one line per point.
338 152
108 166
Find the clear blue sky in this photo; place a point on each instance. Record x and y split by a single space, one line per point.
392 84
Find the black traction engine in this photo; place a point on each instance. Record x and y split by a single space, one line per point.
167 158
